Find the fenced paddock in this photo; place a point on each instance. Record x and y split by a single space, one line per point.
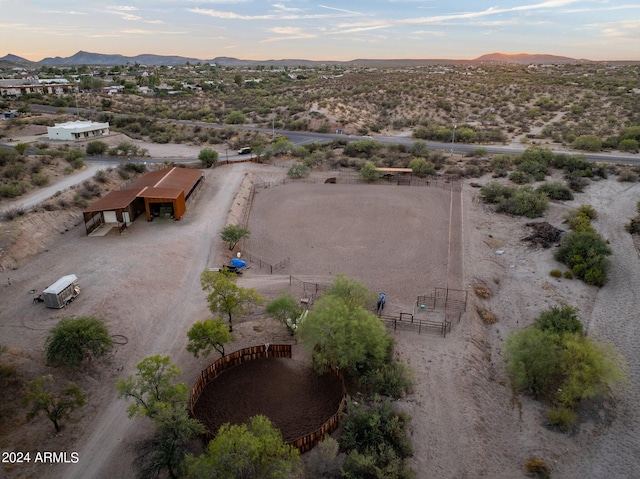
407 321
281 384
264 264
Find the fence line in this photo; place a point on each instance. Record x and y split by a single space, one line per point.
270 266
408 321
307 286
304 443
444 182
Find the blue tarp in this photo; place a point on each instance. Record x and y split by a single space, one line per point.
238 263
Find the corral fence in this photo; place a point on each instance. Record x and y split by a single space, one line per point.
271 267
309 288
304 443
408 321
445 182
444 299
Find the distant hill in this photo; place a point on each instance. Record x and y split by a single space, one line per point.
87 58
524 58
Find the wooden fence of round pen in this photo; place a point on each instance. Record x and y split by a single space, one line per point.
303 444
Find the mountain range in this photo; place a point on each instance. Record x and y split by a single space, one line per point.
87 58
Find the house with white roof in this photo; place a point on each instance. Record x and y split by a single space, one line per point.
77 130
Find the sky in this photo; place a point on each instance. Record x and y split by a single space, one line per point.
323 29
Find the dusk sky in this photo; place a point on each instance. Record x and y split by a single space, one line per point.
322 30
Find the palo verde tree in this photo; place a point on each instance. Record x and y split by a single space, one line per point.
205 336
225 297
254 450
232 234
151 387
40 396
369 172
73 339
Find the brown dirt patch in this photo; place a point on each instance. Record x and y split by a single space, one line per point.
296 399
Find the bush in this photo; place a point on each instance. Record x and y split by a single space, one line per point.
96 148
627 175
525 202
559 320
562 417
392 380
369 172
568 275
39 179
587 143
585 253
298 170
556 273
629 145
495 192
422 167
519 177
539 467
101 176
556 191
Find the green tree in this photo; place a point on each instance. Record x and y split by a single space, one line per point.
205 336
39 397
349 338
167 448
419 149
208 157
369 172
151 387
226 297
232 234
585 252
249 451
73 339
235 118
351 292
590 370
422 167
285 309
533 359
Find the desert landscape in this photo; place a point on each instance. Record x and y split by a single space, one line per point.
466 420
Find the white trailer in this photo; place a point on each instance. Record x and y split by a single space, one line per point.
62 292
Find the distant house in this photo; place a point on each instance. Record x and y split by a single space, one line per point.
18 87
77 130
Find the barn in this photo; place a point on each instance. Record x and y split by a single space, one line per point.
158 194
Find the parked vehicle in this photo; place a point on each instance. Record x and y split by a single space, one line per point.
62 292
244 151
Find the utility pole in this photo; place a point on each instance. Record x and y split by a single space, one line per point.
453 134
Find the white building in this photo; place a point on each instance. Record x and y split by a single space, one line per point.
77 130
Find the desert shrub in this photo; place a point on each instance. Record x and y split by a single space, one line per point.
535 169
101 176
7 156
375 440
235 118
520 177
556 191
487 316
39 179
576 181
562 417
629 145
627 175
500 165
495 192
13 213
75 158
472 171
96 148
298 170
369 172
324 461
362 148
568 275
394 379
11 190
556 273
539 467
421 167
587 143
559 320
14 170
585 252
133 167
589 211
525 202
